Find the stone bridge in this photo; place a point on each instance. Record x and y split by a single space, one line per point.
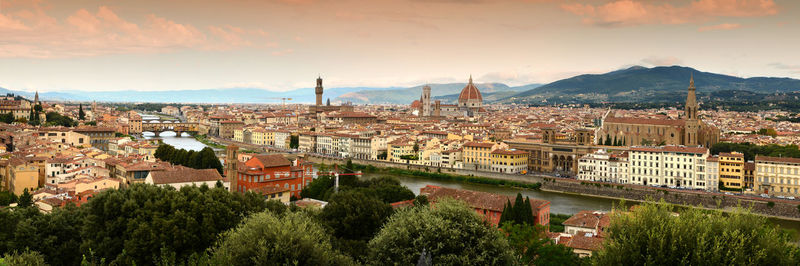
177 127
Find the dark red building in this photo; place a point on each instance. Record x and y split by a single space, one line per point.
487 204
276 171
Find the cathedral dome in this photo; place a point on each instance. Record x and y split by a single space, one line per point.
470 93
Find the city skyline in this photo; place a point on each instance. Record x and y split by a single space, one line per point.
278 45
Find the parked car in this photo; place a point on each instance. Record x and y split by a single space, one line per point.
728 193
790 197
764 196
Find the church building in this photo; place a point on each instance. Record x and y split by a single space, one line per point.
688 131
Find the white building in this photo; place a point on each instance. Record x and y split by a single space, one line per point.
282 138
677 166
712 173
604 167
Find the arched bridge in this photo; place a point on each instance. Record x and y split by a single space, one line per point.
177 127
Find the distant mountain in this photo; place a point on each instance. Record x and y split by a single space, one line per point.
641 84
232 95
408 95
487 96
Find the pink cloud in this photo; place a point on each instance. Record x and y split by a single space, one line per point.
723 26
30 32
637 12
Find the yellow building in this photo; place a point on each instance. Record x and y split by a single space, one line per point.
731 170
477 155
399 148
509 161
21 175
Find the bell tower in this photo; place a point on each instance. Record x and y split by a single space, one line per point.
318 91
232 167
690 116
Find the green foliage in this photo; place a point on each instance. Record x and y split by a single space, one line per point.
771 204
532 246
651 235
205 159
451 232
518 213
557 220
81 114
6 198
56 119
91 123
25 200
134 225
410 157
27 257
294 141
7 118
318 187
354 218
768 132
268 239
751 150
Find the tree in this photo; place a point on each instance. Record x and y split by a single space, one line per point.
608 141
318 187
651 235
81 114
294 142
7 197
354 218
451 232
518 213
268 239
30 258
7 118
26 199
135 224
532 246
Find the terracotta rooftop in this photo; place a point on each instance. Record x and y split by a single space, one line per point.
476 199
185 176
644 121
762 158
272 160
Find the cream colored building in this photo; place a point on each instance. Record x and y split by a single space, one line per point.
779 176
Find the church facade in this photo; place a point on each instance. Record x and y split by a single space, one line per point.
688 131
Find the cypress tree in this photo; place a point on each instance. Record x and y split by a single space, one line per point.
528 211
519 211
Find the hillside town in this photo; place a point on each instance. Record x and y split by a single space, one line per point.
270 150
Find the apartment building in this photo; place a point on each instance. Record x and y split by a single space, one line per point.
677 166
604 167
778 176
731 170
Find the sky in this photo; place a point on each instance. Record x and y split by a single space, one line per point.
279 45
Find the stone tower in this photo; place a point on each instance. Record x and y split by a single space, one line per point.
318 91
232 166
36 98
690 116
426 101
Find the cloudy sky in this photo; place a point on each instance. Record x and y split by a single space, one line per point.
54 45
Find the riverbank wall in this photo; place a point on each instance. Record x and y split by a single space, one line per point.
777 208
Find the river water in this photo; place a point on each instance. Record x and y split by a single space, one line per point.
185 141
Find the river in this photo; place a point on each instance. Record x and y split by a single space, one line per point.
561 203
185 141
